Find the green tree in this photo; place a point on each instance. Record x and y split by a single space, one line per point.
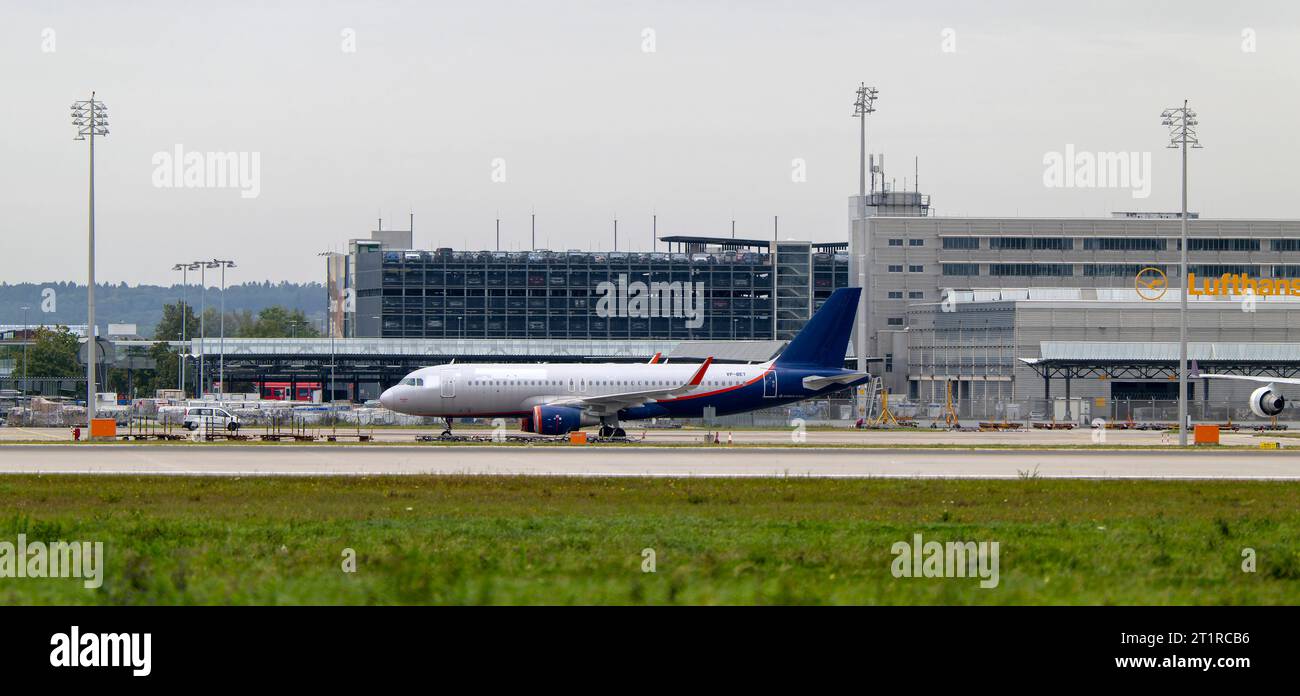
166 368
278 322
53 353
238 322
169 327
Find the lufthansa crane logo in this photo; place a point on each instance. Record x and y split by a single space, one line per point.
1151 283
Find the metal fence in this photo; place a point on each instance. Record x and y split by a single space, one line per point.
970 412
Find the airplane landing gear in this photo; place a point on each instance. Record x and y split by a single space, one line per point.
610 428
446 433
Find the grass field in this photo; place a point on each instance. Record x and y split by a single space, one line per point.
473 540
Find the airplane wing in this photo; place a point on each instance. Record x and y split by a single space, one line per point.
609 404
1261 380
817 382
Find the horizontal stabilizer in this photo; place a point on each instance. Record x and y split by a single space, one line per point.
817 382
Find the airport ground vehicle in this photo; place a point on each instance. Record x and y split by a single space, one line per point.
210 416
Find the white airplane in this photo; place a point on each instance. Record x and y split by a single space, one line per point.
553 399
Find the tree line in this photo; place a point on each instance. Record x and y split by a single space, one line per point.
142 305
54 351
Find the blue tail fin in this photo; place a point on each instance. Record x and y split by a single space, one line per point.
824 340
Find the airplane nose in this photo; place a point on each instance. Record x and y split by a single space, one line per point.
388 398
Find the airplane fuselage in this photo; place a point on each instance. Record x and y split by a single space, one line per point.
555 399
513 389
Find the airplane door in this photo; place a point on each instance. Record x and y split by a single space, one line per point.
769 383
449 387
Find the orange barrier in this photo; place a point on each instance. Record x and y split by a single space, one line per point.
1205 435
577 437
103 427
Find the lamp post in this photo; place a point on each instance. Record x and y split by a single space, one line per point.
1181 122
180 364
203 267
184 268
221 370
26 339
331 306
91 119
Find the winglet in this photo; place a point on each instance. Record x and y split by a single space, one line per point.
655 359
699 374
1194 372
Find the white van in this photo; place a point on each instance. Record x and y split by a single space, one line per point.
213 417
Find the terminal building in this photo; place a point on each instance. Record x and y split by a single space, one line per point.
965 299
1001 308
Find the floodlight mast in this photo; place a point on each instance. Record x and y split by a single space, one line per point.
1181 122
865 104
91 119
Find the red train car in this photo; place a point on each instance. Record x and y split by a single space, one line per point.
286 391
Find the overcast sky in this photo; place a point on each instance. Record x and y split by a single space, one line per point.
589 123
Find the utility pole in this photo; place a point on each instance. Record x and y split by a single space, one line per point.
91 118
1182 122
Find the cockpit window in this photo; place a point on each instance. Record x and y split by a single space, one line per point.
412 382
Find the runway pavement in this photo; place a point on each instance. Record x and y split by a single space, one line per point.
774 436
642 461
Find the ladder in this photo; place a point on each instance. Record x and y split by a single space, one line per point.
883 416
873 393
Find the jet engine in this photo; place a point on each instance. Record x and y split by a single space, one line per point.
1266 402
555 420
